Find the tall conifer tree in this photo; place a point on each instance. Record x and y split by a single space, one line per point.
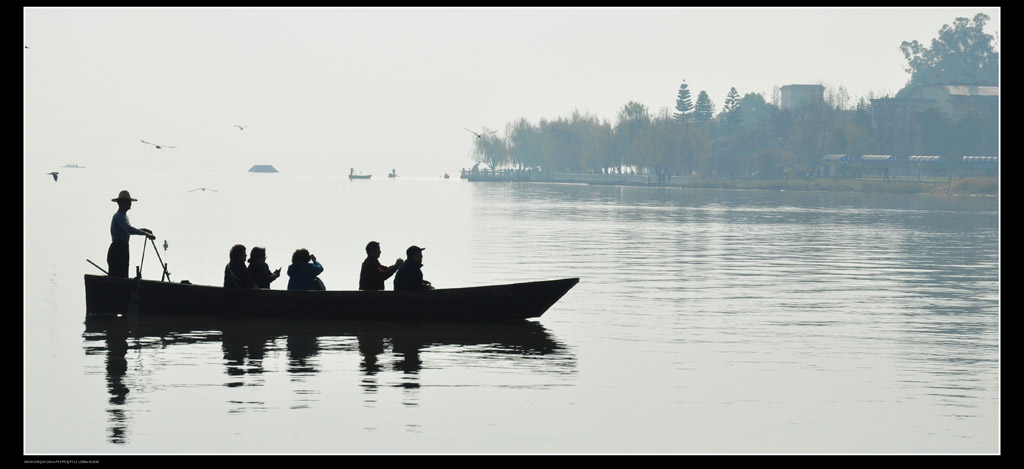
731 110
704 110
683 104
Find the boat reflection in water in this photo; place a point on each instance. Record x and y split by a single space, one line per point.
383 347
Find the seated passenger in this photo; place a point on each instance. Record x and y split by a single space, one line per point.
372 275
259 271
236 275
409 276
303 271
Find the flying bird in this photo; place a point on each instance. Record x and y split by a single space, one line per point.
202 189
478 135
157 146
54 174
241 127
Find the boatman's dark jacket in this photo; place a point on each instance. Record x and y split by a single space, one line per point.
117 253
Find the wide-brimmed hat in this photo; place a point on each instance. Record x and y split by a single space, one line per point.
124 195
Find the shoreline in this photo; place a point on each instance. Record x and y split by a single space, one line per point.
986 187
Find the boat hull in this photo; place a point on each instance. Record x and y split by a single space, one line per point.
111 296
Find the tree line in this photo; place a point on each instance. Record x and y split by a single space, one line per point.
753 137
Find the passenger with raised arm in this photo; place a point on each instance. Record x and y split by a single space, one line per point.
303 272
372 274
259 271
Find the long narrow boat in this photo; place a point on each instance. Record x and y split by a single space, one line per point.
111 296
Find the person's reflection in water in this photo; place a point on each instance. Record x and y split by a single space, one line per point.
409 365
117 366
118 427
243 353
370 347
301 347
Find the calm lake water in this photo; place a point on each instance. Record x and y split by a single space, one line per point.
705 321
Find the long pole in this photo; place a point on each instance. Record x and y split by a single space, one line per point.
138 273
98 267
166 273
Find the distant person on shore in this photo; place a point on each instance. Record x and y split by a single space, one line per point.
410 275
303 272
236 275
372 275
120 231
259 271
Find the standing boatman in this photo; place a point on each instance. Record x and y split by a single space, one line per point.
120 231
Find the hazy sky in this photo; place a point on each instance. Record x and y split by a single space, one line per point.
325 89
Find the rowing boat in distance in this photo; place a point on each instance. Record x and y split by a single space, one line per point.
112 296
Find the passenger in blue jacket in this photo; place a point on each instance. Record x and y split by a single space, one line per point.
410 275
302 274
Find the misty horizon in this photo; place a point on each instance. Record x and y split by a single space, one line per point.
328 89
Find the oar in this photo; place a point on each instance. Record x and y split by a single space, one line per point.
98 267
166 273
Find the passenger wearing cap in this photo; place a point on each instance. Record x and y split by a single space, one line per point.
120 231
410 275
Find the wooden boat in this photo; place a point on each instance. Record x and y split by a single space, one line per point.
352 174
111 296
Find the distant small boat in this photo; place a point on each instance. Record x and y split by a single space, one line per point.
263 168
352 174
446 175
392 175
72 165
